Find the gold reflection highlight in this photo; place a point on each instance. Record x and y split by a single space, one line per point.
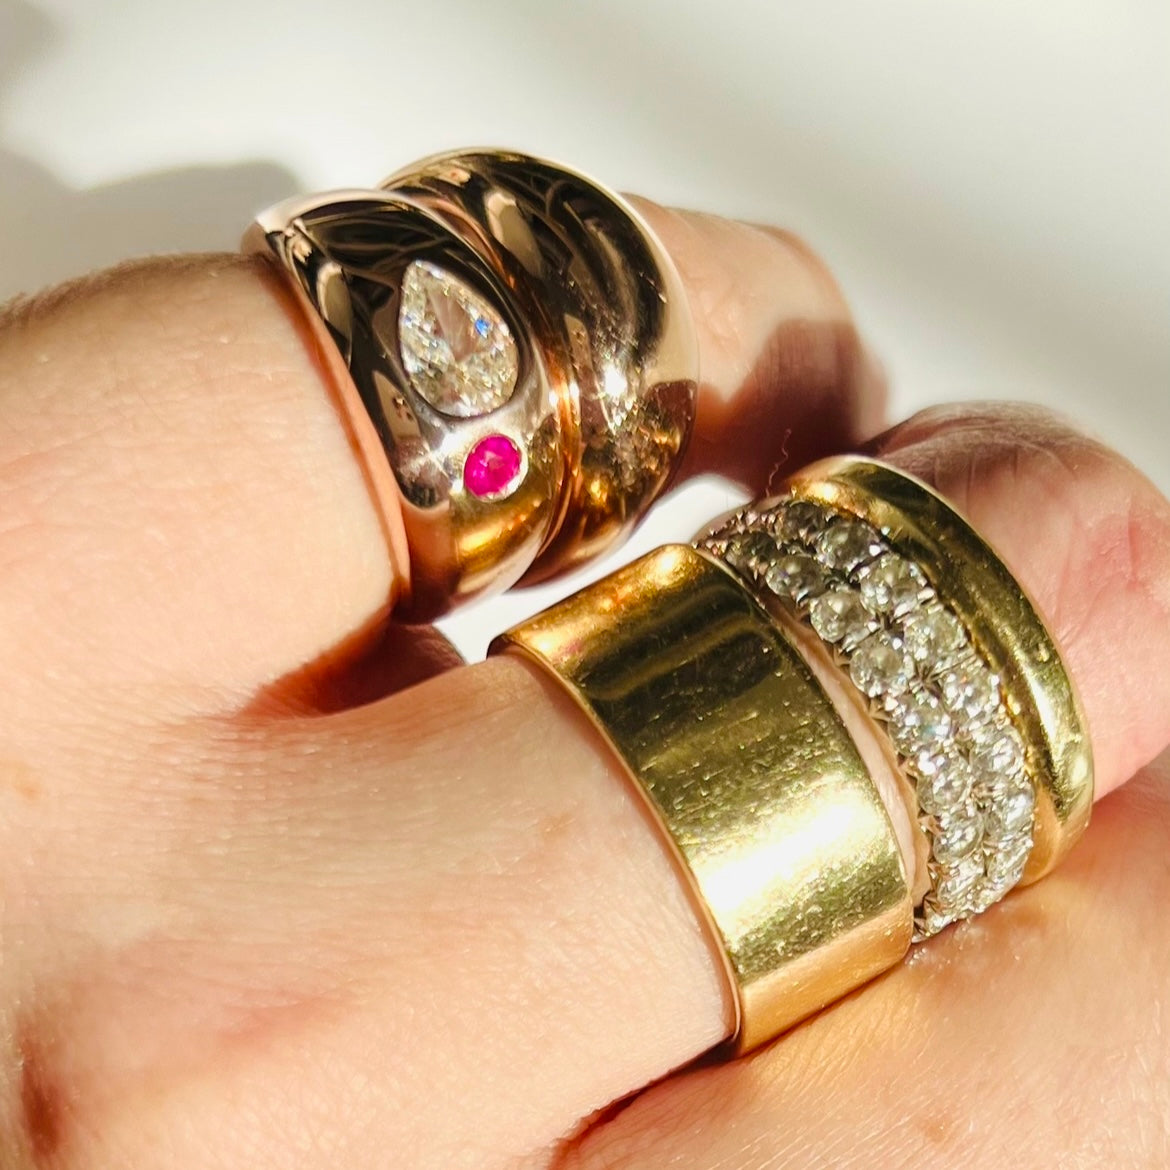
743 761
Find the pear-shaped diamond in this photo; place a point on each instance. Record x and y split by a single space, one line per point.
457 350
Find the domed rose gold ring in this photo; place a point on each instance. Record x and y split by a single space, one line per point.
515 357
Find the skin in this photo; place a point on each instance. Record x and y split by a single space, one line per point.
260 906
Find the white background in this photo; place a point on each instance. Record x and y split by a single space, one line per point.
990 180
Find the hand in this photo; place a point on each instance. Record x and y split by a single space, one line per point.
263 907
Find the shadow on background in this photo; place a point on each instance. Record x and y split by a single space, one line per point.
49 231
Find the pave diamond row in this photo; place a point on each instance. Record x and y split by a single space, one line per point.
912 657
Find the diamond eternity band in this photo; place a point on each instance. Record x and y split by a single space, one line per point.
924 681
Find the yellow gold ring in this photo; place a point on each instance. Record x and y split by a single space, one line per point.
745 684
947 653
514 354
742 759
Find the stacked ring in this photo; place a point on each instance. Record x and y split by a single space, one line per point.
514 355
741 759
708 672
947 653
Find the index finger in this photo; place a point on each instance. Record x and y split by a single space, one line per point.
172 452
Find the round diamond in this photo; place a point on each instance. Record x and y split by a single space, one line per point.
918 721
997 758
800 521
946 786
984 894
839 616
847 544
749 551
970 690
794 576
891 585
955 836
1011 814
1006 863
932 919
880 665
456 349
987 892
928 761
934 636
952 882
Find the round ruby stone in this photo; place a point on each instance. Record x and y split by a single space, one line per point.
492 466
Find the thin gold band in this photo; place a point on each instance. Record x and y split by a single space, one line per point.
745 763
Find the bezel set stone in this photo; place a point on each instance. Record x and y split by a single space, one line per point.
926 682
456 348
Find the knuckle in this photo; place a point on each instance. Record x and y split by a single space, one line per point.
1086 534
1072 517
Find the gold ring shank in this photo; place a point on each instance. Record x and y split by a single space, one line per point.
744 762
1003 622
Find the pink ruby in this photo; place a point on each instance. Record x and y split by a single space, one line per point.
492 466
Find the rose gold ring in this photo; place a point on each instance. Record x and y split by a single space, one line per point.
514 354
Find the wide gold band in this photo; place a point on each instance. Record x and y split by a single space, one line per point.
1003 622
745 763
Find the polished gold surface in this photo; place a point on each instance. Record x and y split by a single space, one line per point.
1003 621
346 252
743 760
606 299
606 356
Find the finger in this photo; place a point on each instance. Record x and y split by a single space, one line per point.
410 932
185 522
179 486
909 1071
361 672
1033 1036
784 374
1088 537
471 888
